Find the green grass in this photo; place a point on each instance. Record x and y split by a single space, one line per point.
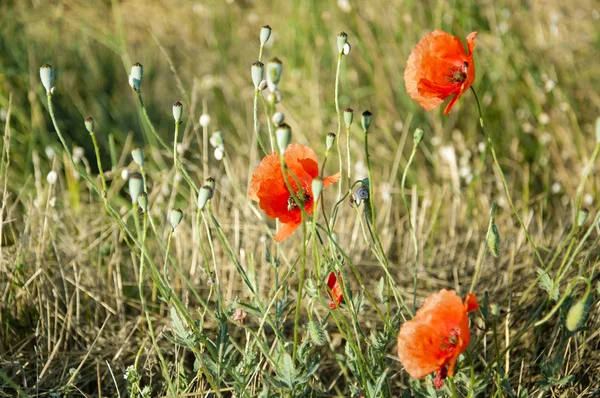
84 300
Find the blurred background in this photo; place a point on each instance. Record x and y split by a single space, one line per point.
538 73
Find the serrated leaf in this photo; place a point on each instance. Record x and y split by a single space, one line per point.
287 371
547 284
180 330
381 289
316 332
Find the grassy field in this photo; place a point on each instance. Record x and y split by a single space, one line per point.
99 297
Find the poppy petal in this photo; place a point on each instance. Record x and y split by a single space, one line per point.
471 302
327 181
285 230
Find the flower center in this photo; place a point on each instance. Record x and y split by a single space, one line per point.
450 342
458 74
304 198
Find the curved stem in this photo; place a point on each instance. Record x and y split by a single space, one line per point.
503 177
410 224
98 161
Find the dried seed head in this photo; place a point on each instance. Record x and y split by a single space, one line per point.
342 39
47 77
265 33
89 124
366 119
135 76
138 156
348 116
175 217
177 111
258 72
142 201
278 118
283 135
274 69
136 186
329 140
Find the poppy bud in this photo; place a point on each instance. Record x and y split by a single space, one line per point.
347 48
275 97
204 195
316 333
257 70
418 136
176 217
493 240
576 316
317 187
204 120
138 156
329 140
582 216
366 120
177 111
494 309
265 33
135 76
278 118
216 140
89 124
283 135
348 116
52 177
47 77
142 201
342 39
274 69
136 186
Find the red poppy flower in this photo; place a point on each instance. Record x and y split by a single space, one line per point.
436 336
438 67
268 187
334 290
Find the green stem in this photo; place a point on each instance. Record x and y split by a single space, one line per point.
503 177
339 118
410 224
300 289
255 114
98 161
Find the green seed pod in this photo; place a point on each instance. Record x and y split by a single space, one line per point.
211 183
366 120
175 217
135 76
494 310
418 136
136 186
142 201
258 71
177 111
348 116
329 140
283 135
317 188
204 195
598 130
138 156
576 316
216 140
274 69
89 124
582 216
341 40
265 33
47 77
